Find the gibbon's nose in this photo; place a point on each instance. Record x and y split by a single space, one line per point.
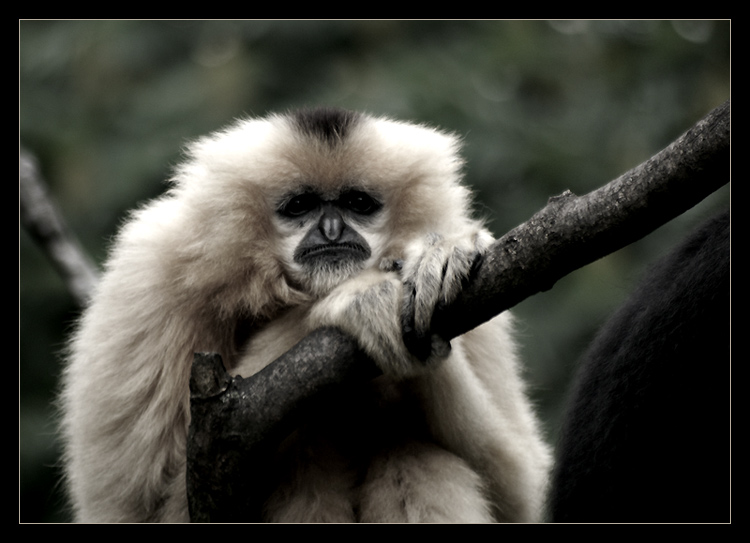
331 224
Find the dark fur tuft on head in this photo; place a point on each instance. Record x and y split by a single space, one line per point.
330 125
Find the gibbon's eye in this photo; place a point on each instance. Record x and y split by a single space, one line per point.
359 202
300 205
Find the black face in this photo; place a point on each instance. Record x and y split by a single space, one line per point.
332 238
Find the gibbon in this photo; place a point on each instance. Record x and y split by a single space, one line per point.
270 229
646 436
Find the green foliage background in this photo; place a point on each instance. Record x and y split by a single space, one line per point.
543 107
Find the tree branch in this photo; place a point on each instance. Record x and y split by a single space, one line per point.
240 420
236 424
42 220
571 231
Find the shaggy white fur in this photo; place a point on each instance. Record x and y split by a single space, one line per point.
452 439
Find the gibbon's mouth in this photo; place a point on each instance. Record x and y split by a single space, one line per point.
334 252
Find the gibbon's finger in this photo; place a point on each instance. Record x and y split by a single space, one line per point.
392 265
456 272
440 347
416 340
429 277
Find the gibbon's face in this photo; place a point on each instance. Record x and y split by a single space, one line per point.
329 237
325 193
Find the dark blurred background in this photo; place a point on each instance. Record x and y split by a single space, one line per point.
543 107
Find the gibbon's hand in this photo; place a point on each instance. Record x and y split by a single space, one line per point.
368 307
436 272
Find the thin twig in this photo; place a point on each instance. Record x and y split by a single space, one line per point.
42 220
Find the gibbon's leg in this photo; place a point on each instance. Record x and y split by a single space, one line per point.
318 485
420 482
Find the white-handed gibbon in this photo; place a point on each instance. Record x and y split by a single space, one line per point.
277 226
